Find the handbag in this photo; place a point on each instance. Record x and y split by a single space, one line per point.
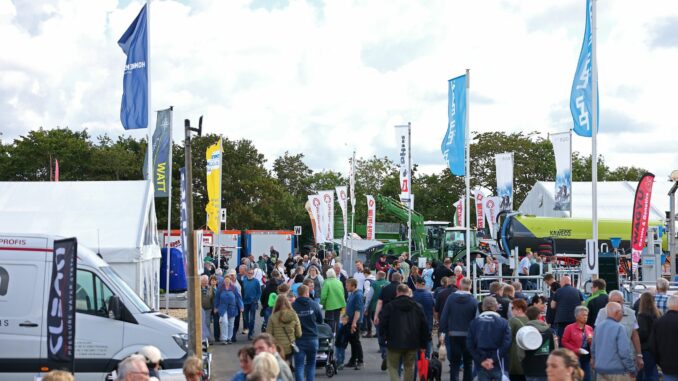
293 343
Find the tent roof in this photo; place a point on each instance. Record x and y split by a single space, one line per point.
360 244
106 215
615 200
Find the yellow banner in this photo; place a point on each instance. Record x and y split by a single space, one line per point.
213 156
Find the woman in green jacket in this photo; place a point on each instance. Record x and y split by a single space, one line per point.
332 299
284 326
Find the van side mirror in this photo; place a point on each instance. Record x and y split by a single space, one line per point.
114 307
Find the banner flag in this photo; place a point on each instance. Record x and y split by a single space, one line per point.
327 198
581 102
454 141
61 302
352 182
371 218
162 144
134 42
343 204
183 215
562 150
459 213
491 211
403 141
312 216
56 169
319 211
641 213
213 208
480 219
504 169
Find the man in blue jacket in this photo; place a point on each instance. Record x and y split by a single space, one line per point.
354 310
251 293
611 352
460 310
309 316
488 341
424 297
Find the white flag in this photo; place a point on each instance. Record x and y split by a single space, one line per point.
491 210
328 201
343 204
403 141
562 150
459 213
371 218
480 220
318 209
504 169
352 183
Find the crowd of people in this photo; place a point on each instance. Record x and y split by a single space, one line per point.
428 312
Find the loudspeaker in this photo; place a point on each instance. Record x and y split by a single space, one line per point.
608 269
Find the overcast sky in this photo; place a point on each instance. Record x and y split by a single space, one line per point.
324 77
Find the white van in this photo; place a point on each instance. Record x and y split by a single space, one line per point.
112 322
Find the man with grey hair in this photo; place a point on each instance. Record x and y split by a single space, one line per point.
133 368
664 338
611 354
629 322
207 302
488 341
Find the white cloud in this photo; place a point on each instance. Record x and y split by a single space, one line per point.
323 78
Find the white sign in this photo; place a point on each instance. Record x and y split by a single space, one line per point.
297 230
371 218
403 141
223 216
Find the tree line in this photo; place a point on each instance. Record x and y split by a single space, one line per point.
261 198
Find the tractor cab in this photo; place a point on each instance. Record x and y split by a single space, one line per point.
454 244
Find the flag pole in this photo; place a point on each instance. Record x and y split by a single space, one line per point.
221 173
353 195
594 131
468 176
169 215
151 175
409 202
571 174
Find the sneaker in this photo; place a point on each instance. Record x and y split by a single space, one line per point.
383 364
350 364
358 366
223 342
228 342
245 331
340 367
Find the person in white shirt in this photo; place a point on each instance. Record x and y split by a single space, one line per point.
358 275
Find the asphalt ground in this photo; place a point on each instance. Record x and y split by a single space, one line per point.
225 361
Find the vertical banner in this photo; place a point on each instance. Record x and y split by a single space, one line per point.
641 213
491 211
480 218
319 211
312 217
56 170
454 141
213 208
403 141
134 105
504 169
581 102
162 144
371 218
352 183
61 302
183 215
459 213
327 198
562 150
342 198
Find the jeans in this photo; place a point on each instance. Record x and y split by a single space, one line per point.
206 317
341 355
236 327
249 316
381 342
332 318
408 357
367 323
493 374
457 353
267 314
356 347
649 371
226 322
304 360
585 365
215 321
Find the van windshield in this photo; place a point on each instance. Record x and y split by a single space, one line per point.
125 289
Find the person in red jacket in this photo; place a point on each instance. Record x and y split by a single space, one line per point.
382 264
577 338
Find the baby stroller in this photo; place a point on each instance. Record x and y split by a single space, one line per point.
325 355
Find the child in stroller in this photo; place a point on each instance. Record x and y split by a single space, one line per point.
325 355
341 341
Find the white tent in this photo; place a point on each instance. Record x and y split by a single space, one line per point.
615 200
113 218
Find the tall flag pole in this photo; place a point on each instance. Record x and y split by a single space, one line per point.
467 149
584 106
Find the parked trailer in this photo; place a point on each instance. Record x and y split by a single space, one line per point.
259 242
